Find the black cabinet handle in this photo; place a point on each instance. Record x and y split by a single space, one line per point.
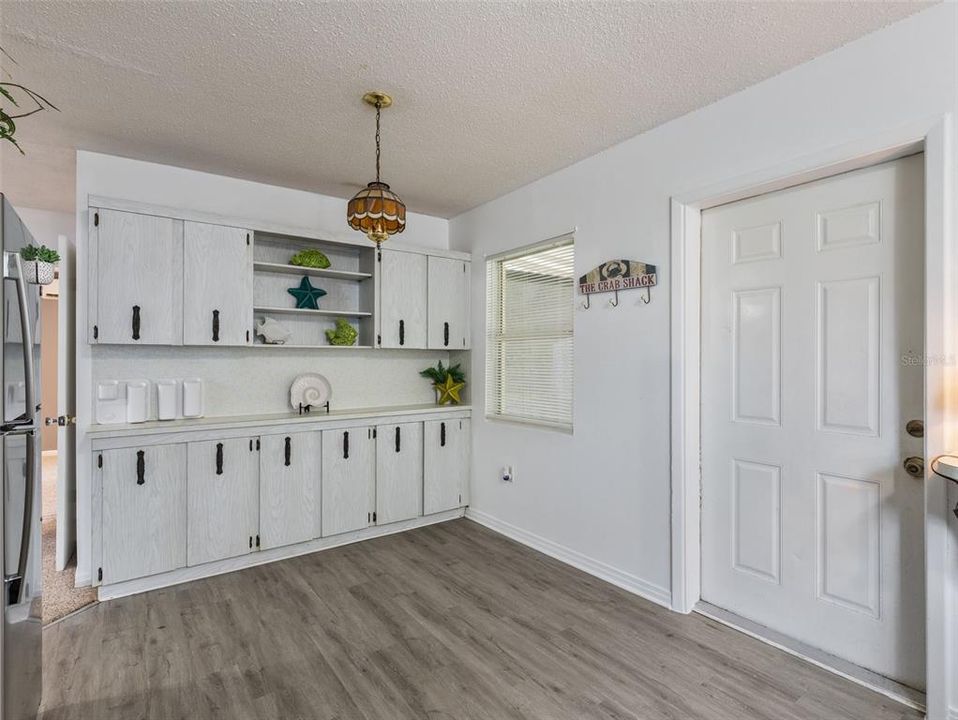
398 439
445 334
402 332
140 467
442 434
216 326
346 445
136 322
289 449
219 458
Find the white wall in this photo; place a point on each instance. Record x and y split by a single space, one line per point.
238 381
602 495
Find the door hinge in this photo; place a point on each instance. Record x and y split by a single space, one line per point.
96 332
460 498
257 444
374 517
99 460
99 574
96 219
379 256
257 541
247 238
247 338
250 542
379 339
374 437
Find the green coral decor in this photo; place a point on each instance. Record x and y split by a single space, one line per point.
448 382
39 252
344 334
310 259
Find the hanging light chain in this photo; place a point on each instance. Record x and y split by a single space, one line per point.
379 106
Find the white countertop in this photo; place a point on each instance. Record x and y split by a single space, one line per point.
267 420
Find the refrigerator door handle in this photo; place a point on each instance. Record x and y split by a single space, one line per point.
15 274
13 584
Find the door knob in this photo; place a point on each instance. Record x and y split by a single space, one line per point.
915 466
915 428
61 420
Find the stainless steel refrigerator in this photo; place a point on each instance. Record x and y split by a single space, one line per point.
20 637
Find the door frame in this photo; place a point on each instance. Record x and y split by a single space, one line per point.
933 137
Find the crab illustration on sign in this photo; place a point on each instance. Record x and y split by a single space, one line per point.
615 275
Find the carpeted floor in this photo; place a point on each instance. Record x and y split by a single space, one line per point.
60 597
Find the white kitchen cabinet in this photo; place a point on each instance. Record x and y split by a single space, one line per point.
448 282
136 279
446 460
399 472
223 499
349 479
290 468
143 511
402 299
217 284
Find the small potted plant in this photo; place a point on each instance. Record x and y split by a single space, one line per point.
38 264
448 382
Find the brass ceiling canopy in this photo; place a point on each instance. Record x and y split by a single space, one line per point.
376 210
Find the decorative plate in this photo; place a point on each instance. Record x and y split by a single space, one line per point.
310 389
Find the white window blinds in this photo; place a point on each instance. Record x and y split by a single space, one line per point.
529 343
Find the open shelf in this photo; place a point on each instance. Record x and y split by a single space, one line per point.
308 311
312 347
284 269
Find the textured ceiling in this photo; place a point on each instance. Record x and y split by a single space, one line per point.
489 95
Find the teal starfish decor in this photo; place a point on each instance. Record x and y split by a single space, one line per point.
306 295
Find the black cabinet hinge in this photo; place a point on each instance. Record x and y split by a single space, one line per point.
257 541
99 460
96 332
96 219
379 339
374 517
247 238
247 337
257 444
99 574
379 256
250 542
374 433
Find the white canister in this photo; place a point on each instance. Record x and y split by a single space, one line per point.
193 398
137 400
166 399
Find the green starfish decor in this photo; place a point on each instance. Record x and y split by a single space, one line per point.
306 295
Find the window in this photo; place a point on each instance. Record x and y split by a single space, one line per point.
529 344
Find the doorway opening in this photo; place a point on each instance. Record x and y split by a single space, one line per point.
61 596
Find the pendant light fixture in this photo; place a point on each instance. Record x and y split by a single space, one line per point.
376 210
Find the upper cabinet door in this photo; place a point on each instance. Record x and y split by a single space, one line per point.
398 472
222 512
289 488
448 303
217 285
136 279
349 479
446 465
402 300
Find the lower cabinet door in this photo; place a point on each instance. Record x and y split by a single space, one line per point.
398 472
143 511
223 508
290 468
349 479
445 465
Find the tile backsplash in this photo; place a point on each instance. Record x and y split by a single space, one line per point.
250 381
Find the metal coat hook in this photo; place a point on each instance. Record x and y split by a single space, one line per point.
648 296
588 302
615 303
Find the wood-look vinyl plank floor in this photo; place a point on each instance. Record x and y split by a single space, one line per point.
445 622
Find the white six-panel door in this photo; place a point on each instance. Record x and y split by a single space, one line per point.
812 348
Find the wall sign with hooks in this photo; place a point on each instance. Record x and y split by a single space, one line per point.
614 275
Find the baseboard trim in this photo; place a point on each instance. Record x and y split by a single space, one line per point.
624 580
843 668
220 567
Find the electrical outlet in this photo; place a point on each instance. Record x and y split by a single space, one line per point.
508 474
